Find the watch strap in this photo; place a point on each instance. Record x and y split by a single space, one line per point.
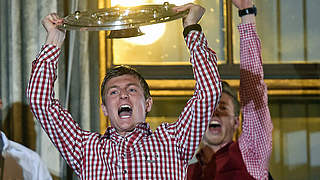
252 10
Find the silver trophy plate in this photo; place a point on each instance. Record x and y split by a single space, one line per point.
121 18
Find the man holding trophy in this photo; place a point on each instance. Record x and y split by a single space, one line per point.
128 149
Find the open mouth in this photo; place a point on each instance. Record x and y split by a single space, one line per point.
125 111
214 124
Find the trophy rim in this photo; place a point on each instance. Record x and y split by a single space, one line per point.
118 17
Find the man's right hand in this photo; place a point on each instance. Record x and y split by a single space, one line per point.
55 36
194 15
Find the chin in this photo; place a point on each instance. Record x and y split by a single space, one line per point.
216 142
128 127
212 140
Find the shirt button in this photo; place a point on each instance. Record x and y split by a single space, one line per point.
125 171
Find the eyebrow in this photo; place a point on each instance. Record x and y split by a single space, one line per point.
222 103
128 85
133 84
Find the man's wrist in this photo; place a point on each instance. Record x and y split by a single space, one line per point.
54 39
250 18
248 14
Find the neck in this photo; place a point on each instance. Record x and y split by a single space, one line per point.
122 133
216 148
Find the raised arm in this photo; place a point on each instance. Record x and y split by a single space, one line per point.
194 119
65 134
55 36
256 139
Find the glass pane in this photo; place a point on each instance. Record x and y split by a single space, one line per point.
163 44
267 30
314 128
296 134
291 30
286 35
235 35
313 29
315 149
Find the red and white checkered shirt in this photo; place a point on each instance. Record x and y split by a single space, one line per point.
141 154
255 141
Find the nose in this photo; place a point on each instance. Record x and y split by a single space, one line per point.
217 111
124 94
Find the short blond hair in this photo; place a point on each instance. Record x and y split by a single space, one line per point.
226 88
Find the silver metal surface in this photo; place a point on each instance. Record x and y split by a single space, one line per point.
119 18
124 33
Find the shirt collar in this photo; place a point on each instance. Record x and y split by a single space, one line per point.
4 140
205 153
141 128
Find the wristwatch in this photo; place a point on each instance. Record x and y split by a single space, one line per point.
252 10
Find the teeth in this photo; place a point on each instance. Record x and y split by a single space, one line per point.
214 123
124 110
125 106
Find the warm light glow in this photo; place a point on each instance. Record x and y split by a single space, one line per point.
129 3
175 2
152 34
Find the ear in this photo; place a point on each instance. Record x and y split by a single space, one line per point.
104 109
149 103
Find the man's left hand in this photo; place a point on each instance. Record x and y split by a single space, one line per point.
242 4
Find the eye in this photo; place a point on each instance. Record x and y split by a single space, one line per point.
223 107
113 92
132 90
